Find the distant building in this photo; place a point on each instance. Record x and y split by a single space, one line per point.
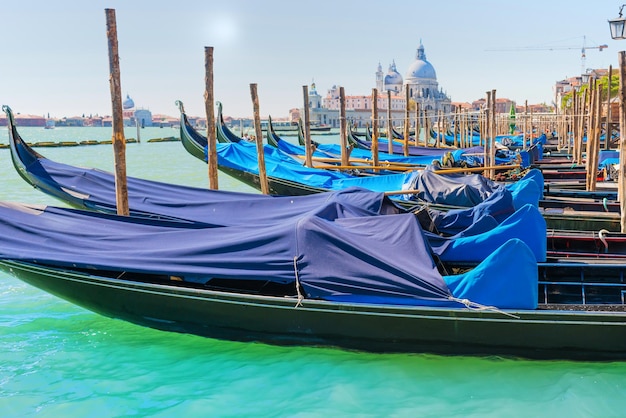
421 82
24 120
143 117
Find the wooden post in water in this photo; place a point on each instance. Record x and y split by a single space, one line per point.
407 121
343 126
375 126
492 137
621 190
389 124
308 149
265 189
209 107
119 142
609 129
594 145
525 129
417 124
486 132
582 115
590 128
138 130
457 119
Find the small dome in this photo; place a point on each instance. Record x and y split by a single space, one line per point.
393 76
128 103
421 68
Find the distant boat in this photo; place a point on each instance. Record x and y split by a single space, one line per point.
50 124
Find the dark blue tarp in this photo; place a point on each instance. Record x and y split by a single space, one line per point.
334 251
95 189
467 190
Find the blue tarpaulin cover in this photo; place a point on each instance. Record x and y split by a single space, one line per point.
336 250
95 189
453 189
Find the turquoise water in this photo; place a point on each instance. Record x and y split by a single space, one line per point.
59 360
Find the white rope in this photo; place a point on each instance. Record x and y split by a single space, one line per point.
295 270
478 307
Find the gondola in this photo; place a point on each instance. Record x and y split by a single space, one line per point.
286 178
95 190
315 281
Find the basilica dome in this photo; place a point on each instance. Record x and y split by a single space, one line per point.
421 68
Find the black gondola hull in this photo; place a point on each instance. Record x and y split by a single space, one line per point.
531 334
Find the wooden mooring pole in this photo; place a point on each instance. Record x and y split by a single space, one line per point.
622 142
407 121
209 106
265 189
375 126
343 128
119 142
308 149
389 124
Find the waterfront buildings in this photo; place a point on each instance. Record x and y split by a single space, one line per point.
420 81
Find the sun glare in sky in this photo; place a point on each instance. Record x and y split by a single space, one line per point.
222 30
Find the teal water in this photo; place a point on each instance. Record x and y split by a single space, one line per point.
59 360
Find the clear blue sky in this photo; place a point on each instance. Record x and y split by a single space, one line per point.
54 56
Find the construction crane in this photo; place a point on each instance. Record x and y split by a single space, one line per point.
583 50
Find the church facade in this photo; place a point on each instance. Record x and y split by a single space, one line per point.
420 81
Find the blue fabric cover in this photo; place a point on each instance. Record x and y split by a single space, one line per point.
453 189
514 285
95 189
332 251
474 245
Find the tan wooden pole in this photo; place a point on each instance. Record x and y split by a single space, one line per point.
439 128
492 137
265 189
607 136
417 123
582 115
622 142
375 126
590 127
593 153
343 127
308 146
486 132
119 142
209 107
407 121
389 124
456 128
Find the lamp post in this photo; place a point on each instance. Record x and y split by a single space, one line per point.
618 25
618 28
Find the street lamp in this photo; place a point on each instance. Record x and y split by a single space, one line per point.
618 25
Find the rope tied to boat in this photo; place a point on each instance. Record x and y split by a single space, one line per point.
295 270
478 307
